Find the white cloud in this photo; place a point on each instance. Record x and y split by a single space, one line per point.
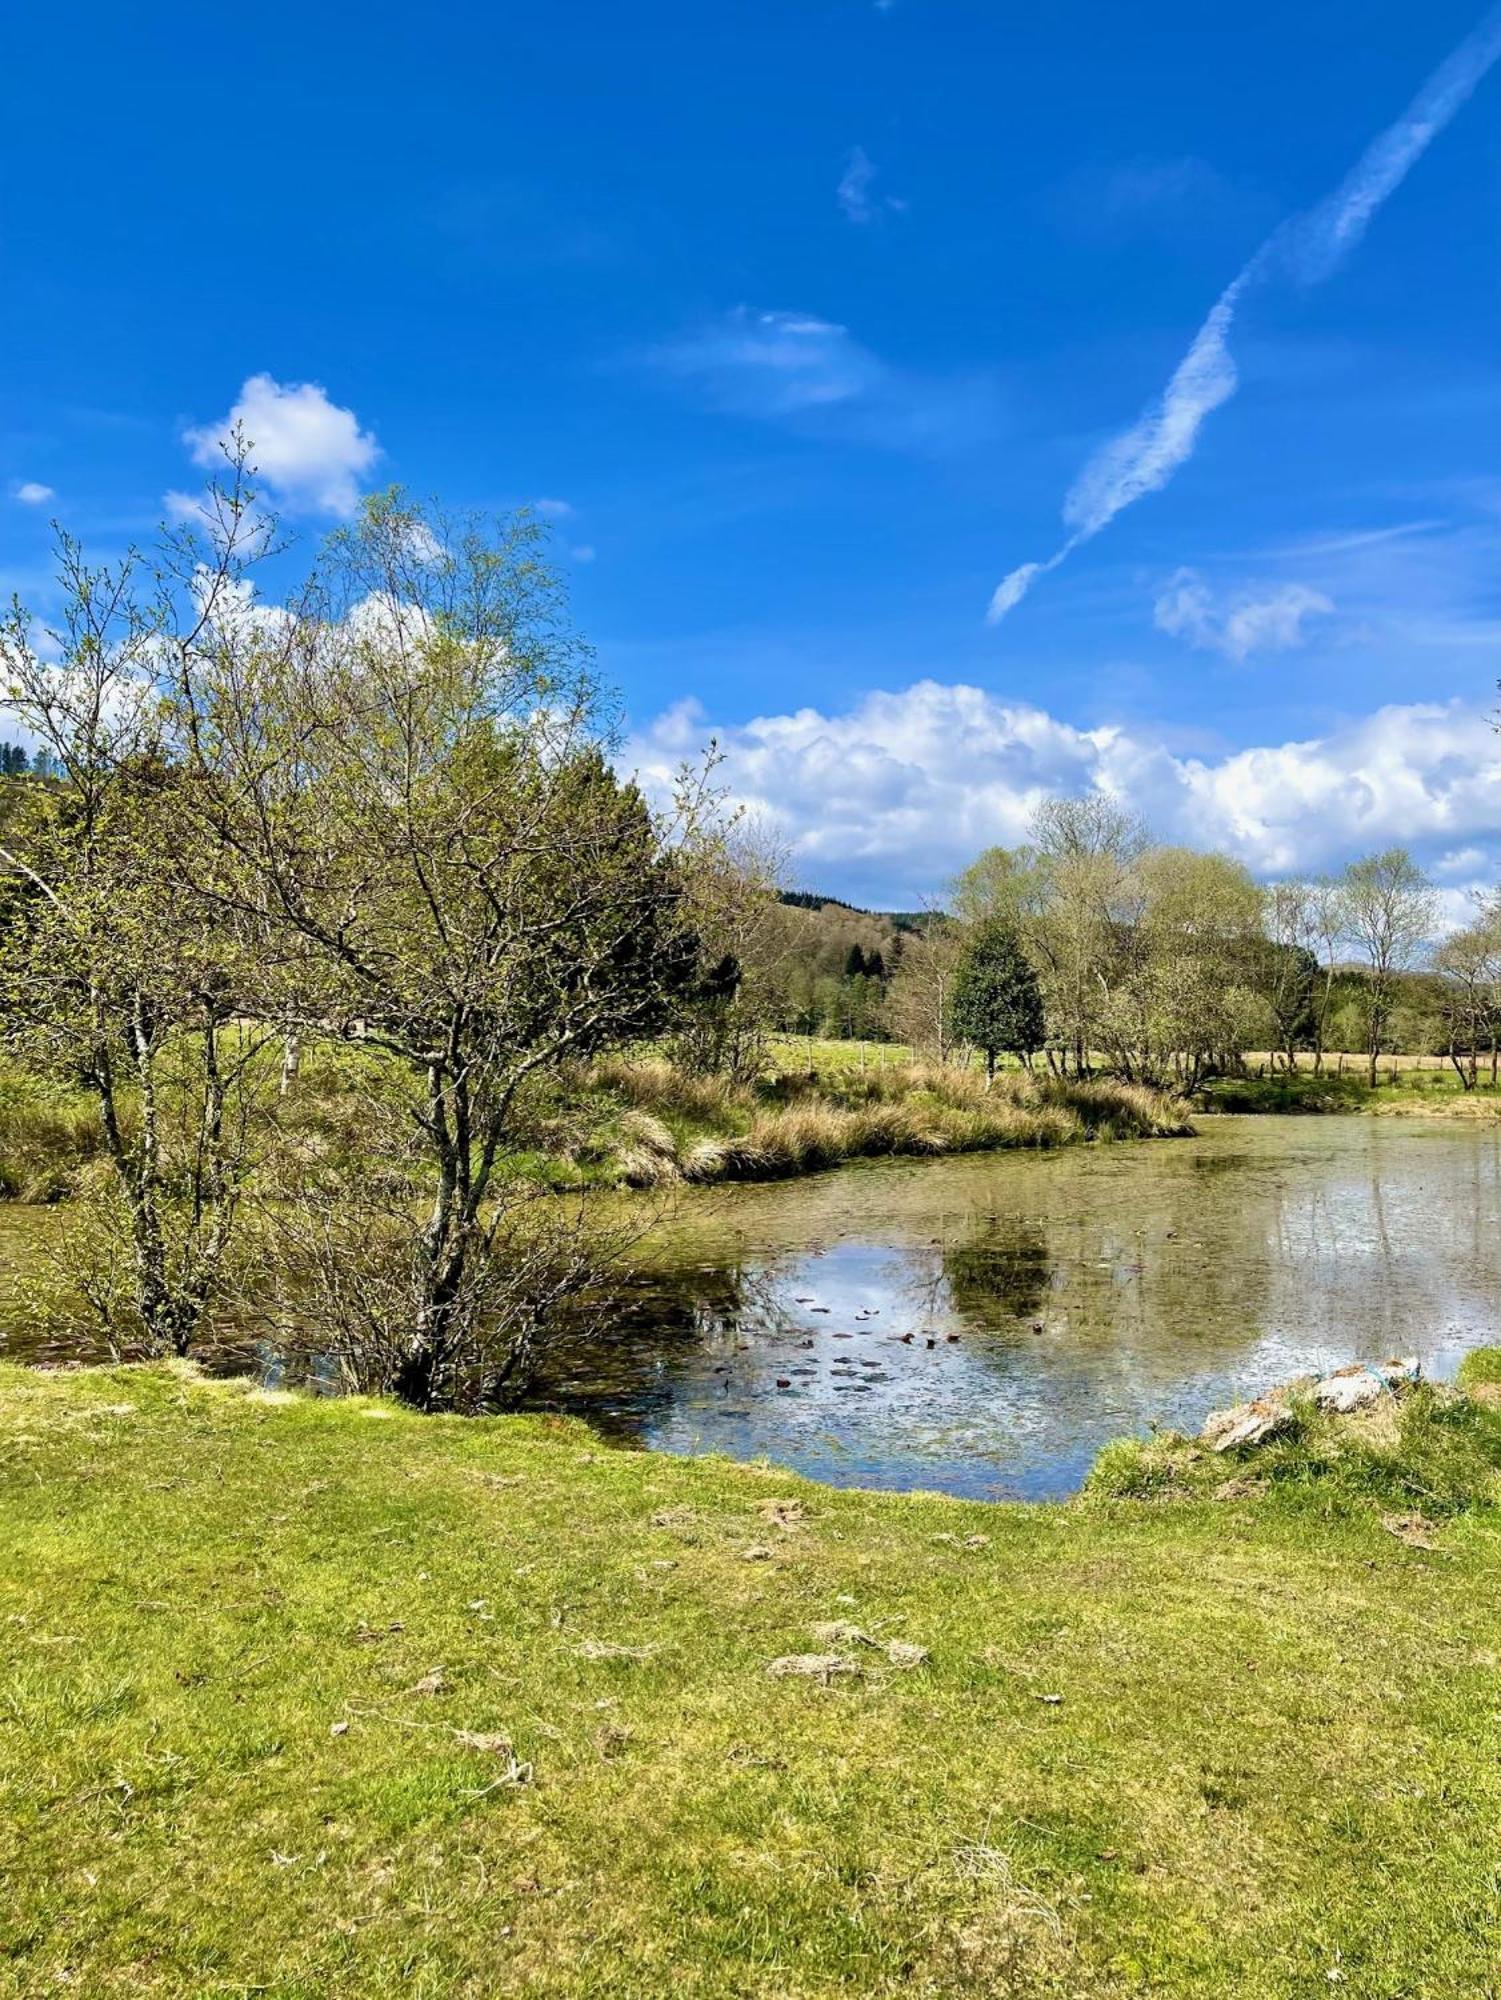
32 493
187 509
892 797
422 544
855 191
310 454
584 553
854 186
773 363
1466 861
554 510
1142 459
1248 623
795 367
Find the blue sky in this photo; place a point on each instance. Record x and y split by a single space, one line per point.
807 318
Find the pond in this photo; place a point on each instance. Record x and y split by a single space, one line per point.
983 1325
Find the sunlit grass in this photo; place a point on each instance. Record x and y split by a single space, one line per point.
318 1699
687 1129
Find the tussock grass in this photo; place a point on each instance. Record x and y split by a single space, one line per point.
654 1085
789 1125
636 1122
316 1698
1480 1369
1433 1449
47 1138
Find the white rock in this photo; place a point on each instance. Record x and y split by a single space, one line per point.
1247 1423
1363 1383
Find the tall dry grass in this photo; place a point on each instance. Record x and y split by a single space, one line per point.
790 1126
45 1143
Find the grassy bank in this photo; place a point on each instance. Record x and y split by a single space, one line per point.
1414 1093
633 1122
306 1699
673 1127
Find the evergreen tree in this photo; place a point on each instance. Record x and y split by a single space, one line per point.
997 1004
854 963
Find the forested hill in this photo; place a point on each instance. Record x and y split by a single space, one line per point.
899 920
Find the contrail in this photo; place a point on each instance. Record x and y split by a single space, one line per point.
1307 248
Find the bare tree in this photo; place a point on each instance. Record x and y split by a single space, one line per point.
731 871
920 998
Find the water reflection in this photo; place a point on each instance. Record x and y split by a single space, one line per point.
1002 1273
982 1326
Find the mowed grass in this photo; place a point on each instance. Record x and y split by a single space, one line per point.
1236 1747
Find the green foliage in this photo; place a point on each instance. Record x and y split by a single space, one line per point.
1481 1367
997 1003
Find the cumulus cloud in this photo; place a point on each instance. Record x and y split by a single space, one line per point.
1186 609
32 493
1308 248
310 453
890 798
554 510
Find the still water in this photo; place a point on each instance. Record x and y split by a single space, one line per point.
983 1325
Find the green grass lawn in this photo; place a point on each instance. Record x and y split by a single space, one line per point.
308 1698
1415 1093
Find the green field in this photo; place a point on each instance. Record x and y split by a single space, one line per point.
308 1698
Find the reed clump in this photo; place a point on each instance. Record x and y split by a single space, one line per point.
702 1130
46 1141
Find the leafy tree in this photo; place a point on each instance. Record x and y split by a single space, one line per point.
1181 998
1290 967
120 966
1388 913
1469 964
408 766
997 1003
